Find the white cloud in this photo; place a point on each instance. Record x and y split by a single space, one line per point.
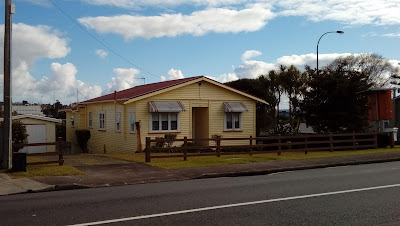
101 53
173 74
353 12
392 35
250 54
253 68
31 43
125 79
218 20
141 3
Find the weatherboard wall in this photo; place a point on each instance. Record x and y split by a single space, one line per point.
206 95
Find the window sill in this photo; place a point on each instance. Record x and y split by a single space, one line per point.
228 131
102 130
164 132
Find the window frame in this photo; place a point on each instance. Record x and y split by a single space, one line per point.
72 120
118 122
131 125
90 119
160 122
234 128
104 120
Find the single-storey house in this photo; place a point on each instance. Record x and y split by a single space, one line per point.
40 129
196 107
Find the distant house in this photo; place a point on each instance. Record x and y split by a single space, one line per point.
380 108
40 129
196 107
26 109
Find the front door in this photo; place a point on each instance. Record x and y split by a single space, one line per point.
200 124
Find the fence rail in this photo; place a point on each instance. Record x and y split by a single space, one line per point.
60 147
272 144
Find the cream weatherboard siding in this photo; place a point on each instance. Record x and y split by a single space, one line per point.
50 131
200 94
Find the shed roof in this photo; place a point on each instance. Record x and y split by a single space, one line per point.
38 117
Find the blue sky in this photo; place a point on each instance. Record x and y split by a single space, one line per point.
98 46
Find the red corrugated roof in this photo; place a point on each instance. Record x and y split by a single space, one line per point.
138 91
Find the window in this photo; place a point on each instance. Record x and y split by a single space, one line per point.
118 122
90 123
102 121
233 121
72 121
132 123
164 122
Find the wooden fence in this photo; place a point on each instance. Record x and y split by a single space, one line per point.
272 144
60 149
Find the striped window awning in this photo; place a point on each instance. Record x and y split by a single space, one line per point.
166 106
235 107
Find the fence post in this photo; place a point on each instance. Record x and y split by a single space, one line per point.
185 149
354 141
251 145
218 146
61 149
279 145
306 145
376 140
391 134
330 142
148 147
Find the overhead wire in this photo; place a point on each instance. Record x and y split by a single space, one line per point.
102 43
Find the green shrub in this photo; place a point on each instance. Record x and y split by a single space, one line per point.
19 135
61 131
82 137
170 137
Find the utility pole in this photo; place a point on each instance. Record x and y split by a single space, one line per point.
6 155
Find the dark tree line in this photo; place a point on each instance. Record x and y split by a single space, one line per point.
334 101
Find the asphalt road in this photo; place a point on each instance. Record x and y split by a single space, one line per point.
353 195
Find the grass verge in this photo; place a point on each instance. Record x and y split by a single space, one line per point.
173 163
45 170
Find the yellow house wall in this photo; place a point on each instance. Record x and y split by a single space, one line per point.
206 95
110 140
50 130
201 96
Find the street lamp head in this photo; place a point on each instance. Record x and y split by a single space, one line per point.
340 32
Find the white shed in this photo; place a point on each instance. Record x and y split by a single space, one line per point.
41 129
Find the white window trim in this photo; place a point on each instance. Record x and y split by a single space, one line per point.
118 121
72 121
178 117
233 123
104 123
90 119
130 124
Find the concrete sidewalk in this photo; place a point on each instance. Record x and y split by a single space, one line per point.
10 186
135 173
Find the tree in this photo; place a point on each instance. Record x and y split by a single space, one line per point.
294 84
336 99
256 88
51 110
379 70
19 134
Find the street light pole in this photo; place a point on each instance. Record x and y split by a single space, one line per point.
339 32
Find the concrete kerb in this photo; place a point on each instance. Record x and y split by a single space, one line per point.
286 169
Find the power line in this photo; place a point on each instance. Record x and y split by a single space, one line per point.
102 43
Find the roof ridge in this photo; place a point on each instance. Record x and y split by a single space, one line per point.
142 90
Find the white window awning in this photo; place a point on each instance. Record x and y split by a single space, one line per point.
166 106
235 107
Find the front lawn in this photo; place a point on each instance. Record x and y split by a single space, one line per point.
171 163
